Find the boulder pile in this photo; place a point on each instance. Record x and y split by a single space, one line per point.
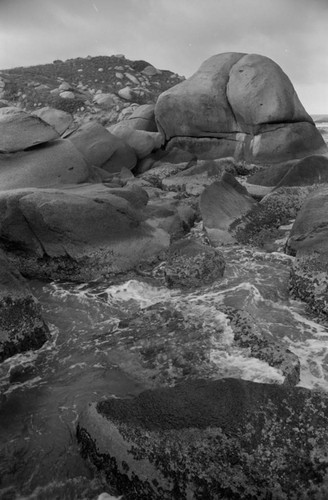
153 191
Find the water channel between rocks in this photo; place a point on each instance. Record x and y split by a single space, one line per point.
44 391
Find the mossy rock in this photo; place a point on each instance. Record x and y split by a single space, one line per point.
215 440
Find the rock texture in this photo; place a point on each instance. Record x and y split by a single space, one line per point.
308 241
21 325
244 101
191 264
78 233
53 164
222 204
226 439
20 130
102 148
58 119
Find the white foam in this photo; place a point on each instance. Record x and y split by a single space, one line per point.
142 293
238 364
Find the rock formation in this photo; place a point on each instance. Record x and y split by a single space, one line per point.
240 105
21 325
221 439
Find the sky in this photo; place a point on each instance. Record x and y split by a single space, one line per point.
177 35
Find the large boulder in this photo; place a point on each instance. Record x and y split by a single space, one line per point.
58 119
143 118
142 141
21 325
103 149
211 439
53 164
308 240
309 233
246 104
20 130
77 233
222 204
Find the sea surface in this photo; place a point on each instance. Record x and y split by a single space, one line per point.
44 391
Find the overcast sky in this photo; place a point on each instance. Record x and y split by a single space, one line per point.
174 34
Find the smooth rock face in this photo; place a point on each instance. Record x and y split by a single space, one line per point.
58 119
53 164
143 118
241 105
224 439
308 171
78 233
221 204
95 143
103 149
21 325
20 130
142 141
259 92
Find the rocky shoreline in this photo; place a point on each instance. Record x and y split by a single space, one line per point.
214 162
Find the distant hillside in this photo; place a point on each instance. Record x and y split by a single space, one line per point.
73 85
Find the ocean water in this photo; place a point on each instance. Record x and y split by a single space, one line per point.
44 391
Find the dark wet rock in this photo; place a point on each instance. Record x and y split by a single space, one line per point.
190 264
309 171
309 282
196 177
20 130
248 335
262 226
174 216
308 241
240 105
222 204
309 231
79 233
162 170
53 164
224 439
306 172
21 325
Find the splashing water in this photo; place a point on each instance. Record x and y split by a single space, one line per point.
43 392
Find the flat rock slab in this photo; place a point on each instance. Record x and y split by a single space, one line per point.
224 439
58 119
20 130
81 233
54 164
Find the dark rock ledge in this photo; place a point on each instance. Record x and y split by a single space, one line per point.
224 439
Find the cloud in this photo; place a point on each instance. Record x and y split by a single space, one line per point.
171 34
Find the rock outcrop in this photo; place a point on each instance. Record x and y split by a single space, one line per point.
103 149
78 233
240 105
53 164
222 204
58 119
211 439
20 130
308 240
21 325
